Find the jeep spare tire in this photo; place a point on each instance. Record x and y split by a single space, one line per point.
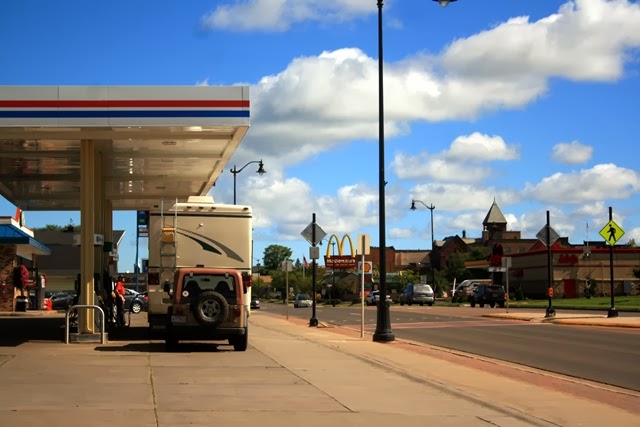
211 308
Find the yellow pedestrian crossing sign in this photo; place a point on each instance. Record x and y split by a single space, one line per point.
612 233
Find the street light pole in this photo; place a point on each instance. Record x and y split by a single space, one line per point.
383 332
431 208
236 171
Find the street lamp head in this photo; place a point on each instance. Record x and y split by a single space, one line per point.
444 3
413 205
261 170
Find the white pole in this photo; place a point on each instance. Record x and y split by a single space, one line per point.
362 289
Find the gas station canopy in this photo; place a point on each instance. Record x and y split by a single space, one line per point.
151 143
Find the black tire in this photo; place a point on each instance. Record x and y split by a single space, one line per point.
241 342
472 302
136 307
492 304
401 302
421 304
211 308
430 304
481 305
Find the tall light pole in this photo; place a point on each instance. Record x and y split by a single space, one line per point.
383 332
431 208
236 171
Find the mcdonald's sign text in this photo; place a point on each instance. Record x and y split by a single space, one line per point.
340 261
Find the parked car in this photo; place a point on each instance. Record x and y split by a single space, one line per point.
135 301
466 287
302 300
417 294
374 297
255 302
61 300
488 294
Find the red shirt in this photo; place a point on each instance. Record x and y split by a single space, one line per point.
120 288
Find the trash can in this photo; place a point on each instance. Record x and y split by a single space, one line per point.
22 303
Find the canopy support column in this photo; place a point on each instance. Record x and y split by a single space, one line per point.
87 226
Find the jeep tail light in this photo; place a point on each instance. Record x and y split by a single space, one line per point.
237 311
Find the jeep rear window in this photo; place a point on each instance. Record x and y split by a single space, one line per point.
220 283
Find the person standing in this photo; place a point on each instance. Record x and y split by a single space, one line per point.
119 291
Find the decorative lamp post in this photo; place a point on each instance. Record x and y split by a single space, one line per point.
431 208
383 332
236 171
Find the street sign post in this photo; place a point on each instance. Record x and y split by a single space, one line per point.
611 234
287 266
313 234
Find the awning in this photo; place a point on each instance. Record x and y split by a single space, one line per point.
12 234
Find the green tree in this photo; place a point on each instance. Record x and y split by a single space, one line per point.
407 277
274 255
296 281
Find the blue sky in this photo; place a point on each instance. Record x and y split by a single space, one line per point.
531 103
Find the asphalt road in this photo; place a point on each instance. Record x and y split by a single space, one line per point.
606 355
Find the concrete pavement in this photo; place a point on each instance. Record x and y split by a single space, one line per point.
291 375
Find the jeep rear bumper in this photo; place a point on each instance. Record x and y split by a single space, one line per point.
203 333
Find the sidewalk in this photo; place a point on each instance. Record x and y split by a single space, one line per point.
574 318
291 375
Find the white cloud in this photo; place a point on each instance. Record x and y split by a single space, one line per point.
401 233
424 166
585 40
462 197
606 181
480 147
457 164
572 153
280 15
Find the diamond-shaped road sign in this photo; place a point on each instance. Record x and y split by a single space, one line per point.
611 233
307 233
542 235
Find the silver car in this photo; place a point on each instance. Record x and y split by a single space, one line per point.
302 300
417 294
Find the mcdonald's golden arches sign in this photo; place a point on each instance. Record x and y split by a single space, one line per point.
340 260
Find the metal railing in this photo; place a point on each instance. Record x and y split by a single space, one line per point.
103 339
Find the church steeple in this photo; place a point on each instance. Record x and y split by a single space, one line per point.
495 220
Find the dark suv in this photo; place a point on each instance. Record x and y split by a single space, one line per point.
488 294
